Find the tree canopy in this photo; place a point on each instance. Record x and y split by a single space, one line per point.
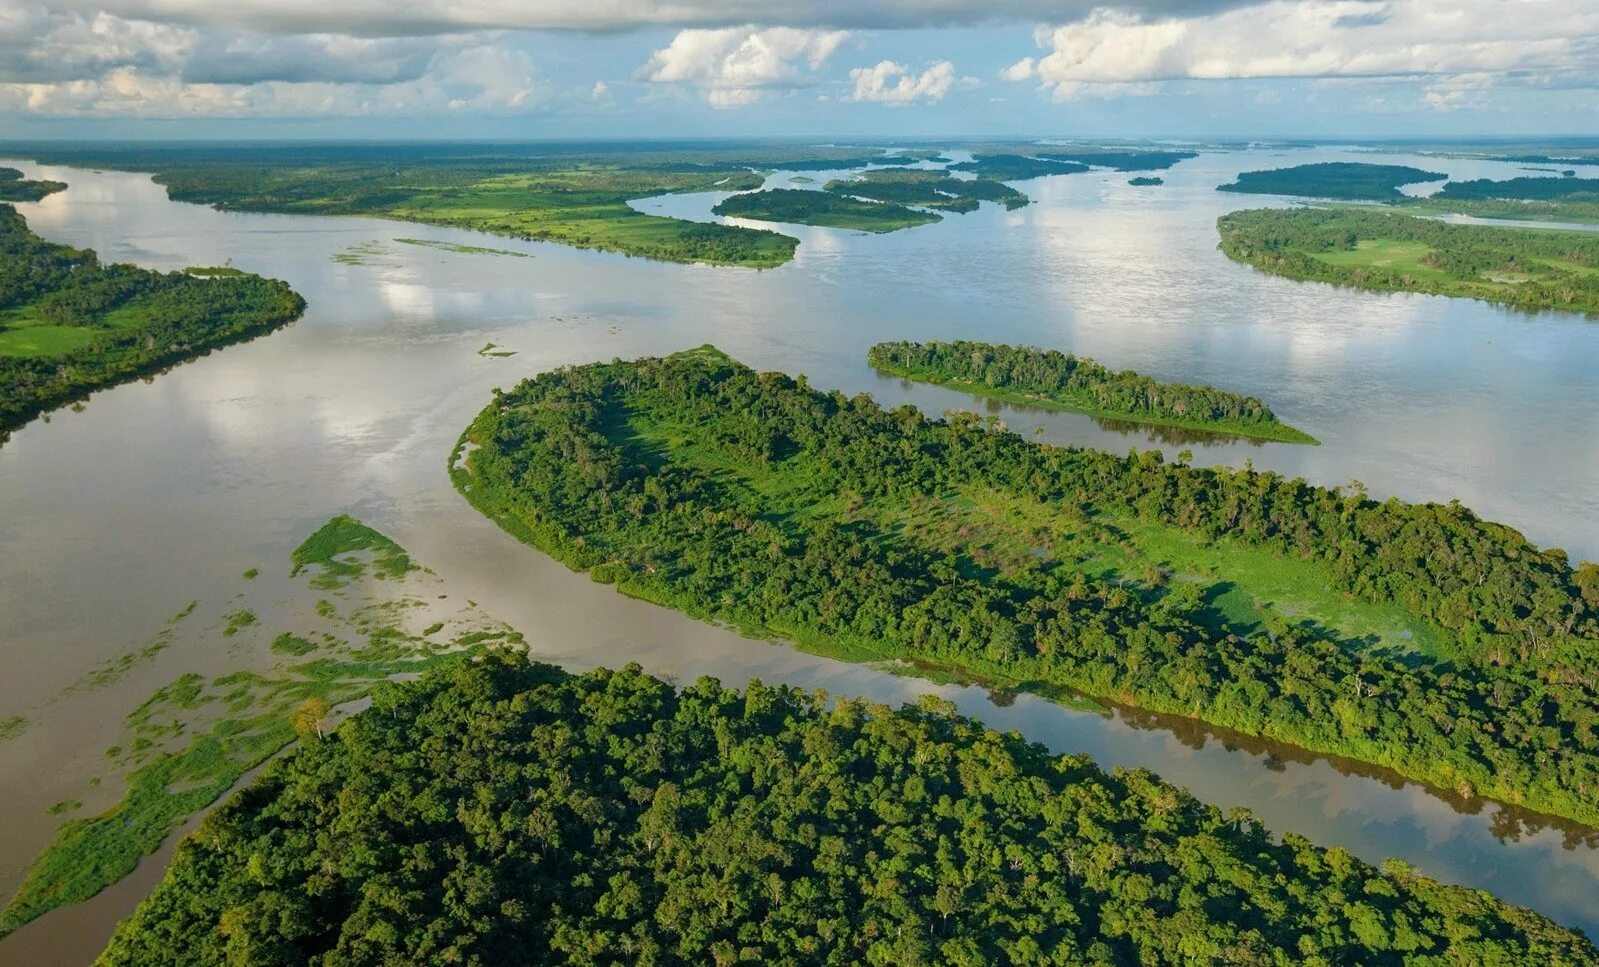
506 813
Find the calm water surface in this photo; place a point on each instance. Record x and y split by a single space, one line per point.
160 493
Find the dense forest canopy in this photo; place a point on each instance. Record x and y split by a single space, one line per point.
1120 160
14 187
1333 179
1016 167
505 813
930 189
1524 189
751 498
1045 377
805 207
1375 249
70 324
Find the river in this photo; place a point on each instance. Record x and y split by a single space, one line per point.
164 491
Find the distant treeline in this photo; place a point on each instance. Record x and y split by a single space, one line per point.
567 461
162 317
505 813
1524 189
1044 377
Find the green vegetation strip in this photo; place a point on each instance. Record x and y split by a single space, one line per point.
1417 637
1045 378
498 812
581 203
70 325
805 207
14 187
1333 179
1530 269
928 189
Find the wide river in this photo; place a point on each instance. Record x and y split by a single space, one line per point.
162 492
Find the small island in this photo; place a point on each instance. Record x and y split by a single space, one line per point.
801 206
1344 180
1144 182
1054 380
1382 250
928 189
13 187
70 324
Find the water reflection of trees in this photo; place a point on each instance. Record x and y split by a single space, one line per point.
1507 823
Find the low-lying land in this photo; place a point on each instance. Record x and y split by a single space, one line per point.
1051 379
1575 210
70 325
498 812
14 187
1344 180
1016 167
1414 637
1532 269
1142 182
928 189
1120 160
572 195
801 206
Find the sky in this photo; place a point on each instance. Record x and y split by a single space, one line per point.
521 69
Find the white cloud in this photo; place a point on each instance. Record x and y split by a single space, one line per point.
891 83
416 17
737 65
1319 38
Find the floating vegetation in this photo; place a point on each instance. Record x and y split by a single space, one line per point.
331 551
195 737
462 249
493 350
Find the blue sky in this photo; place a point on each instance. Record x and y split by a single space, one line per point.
735 68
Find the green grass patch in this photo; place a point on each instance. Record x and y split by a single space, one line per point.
341 549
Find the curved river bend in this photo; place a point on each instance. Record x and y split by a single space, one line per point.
162 492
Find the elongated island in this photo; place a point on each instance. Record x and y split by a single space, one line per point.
1416 637
1055 380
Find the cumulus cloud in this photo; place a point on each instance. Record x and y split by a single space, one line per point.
416 17
737 65
891 83
1318 38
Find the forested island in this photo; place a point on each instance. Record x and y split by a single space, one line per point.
1051 379
1345 180
14 187
1532 269
1016 167
70 324
1523 189
1031 162
1265 605
1142 182
802 206
928 189
501 812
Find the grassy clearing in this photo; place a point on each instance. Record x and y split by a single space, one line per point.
991 534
